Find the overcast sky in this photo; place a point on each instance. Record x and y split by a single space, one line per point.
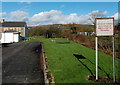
39 13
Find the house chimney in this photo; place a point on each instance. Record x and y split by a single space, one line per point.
2 20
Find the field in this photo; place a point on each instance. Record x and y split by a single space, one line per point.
66 68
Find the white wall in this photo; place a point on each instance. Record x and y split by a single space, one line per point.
16 38
7 38
10 37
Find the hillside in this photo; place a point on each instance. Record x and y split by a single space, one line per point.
63 26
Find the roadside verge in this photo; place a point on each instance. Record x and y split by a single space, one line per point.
48 77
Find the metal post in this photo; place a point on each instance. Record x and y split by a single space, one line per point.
96 58
113 59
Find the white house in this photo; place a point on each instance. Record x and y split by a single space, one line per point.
86 33
15 28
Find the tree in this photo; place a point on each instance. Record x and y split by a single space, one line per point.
73 28
96 14
55 32
37 31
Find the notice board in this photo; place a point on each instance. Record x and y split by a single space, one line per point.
104 26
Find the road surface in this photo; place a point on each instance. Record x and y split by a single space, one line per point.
21 63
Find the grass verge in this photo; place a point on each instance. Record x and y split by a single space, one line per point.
68 69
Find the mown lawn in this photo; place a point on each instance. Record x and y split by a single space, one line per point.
67 69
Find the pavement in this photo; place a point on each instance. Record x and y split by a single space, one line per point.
21 64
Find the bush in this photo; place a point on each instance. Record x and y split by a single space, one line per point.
104 43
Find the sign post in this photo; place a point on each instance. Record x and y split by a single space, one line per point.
114 59
96 39
104 27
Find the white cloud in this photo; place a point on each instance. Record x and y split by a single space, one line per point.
85 19
97 13
116 16
53 17
56 17
24 1
45 17
18 15
3 14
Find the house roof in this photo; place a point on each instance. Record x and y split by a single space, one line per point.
13 24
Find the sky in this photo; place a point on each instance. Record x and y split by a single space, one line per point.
60 0
40 13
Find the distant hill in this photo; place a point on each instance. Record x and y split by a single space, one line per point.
64 26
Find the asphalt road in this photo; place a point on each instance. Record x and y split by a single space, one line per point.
21 63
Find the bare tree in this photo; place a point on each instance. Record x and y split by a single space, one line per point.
96 14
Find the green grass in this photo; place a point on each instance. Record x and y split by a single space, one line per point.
66 68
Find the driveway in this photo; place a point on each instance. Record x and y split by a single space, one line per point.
21 63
